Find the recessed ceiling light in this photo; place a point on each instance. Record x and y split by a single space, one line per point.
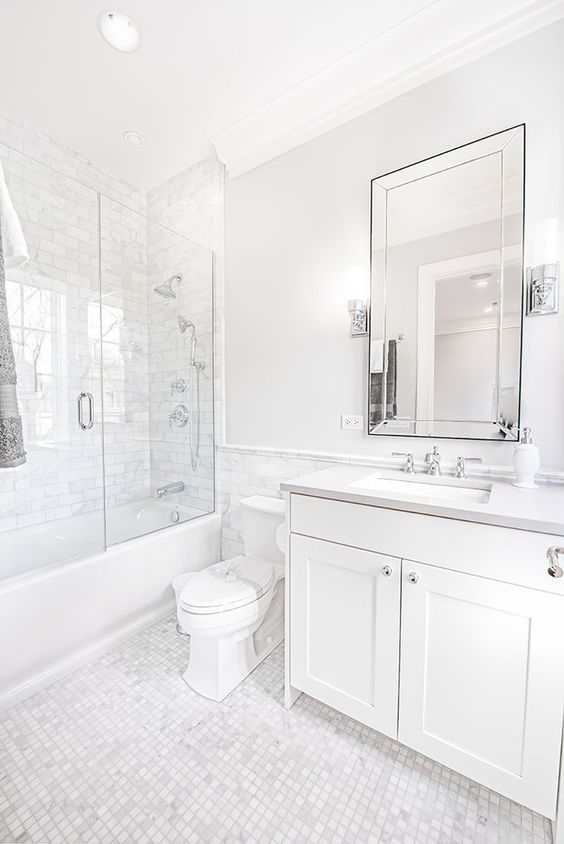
119 31
134 139
480 279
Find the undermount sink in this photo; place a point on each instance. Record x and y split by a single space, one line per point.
427 488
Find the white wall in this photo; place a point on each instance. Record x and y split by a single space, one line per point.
463 391
295 225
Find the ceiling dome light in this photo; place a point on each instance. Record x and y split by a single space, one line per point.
134 139
480 279
119 31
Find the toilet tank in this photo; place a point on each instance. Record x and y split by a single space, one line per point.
261 518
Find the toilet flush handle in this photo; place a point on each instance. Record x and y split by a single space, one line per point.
230 573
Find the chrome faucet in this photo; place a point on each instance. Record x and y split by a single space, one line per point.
433 459
461 465
170 489
409 466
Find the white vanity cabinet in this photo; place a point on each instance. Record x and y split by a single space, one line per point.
338 594
478 666
446 635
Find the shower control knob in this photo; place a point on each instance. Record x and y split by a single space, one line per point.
386 571
179 416
413 577
178 386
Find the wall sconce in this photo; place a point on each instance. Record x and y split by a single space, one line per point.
542 289
357 305
543 279
358 310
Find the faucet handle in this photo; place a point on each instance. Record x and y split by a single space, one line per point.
461 465
177 386
409 466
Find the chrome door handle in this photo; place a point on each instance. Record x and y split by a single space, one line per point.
413 577
554 568
386 571
85 425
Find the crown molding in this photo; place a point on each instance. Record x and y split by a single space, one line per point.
440 38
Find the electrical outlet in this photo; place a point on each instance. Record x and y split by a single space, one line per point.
352 422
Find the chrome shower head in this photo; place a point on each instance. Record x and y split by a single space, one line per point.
165 289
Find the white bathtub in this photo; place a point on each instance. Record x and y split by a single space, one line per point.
57 617
39 546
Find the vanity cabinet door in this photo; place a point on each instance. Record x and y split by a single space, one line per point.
482 680
344 626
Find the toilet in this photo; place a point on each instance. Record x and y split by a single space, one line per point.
234 610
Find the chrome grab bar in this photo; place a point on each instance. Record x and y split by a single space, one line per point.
554 568
90 422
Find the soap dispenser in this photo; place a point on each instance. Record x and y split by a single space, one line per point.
526 461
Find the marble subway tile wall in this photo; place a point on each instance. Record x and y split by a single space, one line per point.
124 352
243 471
190 204
54 313
173 381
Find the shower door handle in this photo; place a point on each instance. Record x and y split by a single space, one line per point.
87 423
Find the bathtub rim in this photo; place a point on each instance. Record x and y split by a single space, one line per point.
45 572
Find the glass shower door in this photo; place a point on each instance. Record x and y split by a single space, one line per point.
51 508
157 338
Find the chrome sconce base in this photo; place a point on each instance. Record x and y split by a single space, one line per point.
358 310
543 289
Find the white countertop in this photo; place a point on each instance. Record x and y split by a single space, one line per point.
540 509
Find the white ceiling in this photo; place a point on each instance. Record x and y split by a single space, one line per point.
204 65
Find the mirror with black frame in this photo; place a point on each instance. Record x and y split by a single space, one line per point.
447 293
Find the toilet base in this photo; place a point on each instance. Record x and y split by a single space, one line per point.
217 666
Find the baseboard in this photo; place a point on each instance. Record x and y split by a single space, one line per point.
84 655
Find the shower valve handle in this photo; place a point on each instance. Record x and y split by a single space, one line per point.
178 386
179 416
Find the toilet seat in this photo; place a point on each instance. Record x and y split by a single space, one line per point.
228 585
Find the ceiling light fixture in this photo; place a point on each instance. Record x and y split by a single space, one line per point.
481 279
134 139
119 31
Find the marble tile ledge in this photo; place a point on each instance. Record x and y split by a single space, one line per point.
484 470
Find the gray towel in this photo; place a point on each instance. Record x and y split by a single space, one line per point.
12 452
377 389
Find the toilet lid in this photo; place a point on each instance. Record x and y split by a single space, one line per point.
227 585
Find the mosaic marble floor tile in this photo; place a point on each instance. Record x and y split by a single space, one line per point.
123 751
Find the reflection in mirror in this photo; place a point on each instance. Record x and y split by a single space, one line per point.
446 293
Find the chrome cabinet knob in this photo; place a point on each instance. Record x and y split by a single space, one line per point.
554 568
386 571
413 577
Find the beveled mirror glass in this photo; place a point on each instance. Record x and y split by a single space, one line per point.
447 293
